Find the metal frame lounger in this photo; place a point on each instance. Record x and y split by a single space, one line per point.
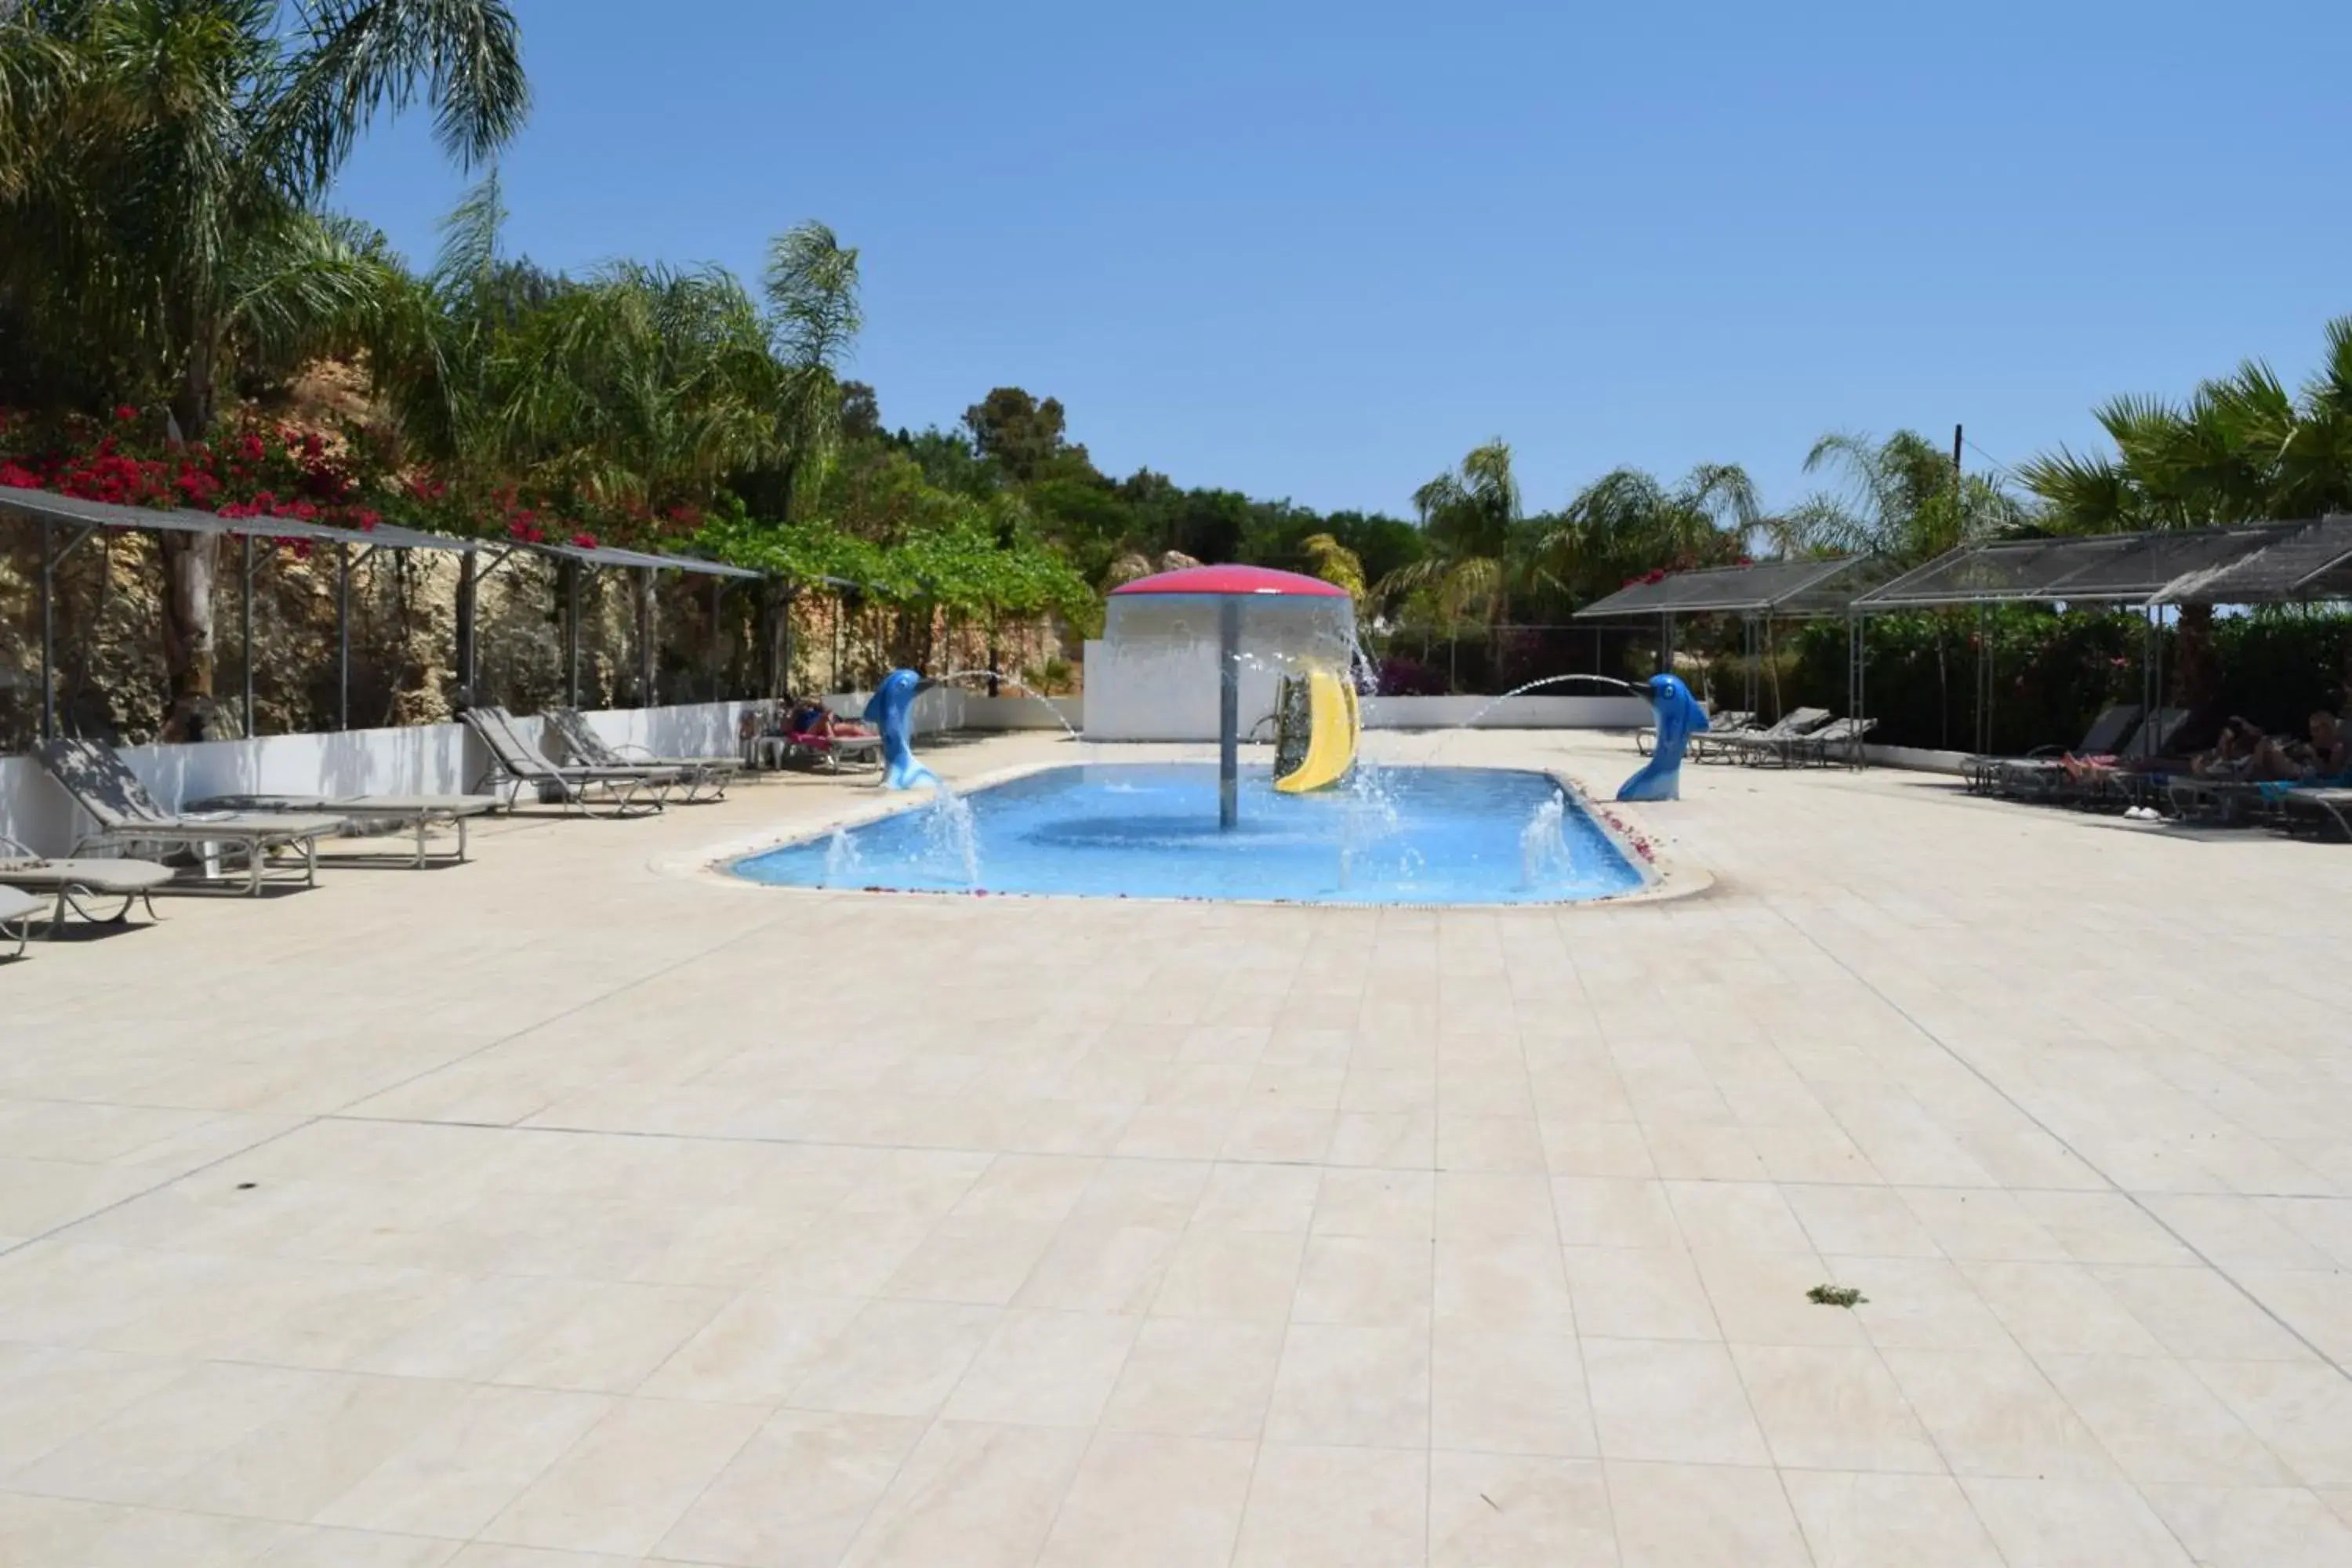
2045 778
107 876
1735 722
103 785
1708 746
515 763
589 750
2104 738
2326 804
375 813
824 754
19 910
1813 748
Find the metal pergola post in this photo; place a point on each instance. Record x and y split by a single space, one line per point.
645 638
1857 676
717 643
245 618
1984 680
780 646
1749 630
48 631
466 591
343 636
571 634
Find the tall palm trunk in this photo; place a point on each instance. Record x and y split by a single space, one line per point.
191 565
2196 664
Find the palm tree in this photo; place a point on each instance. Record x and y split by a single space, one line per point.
1466 516
161 174
1902 497
1626 523
814 318
1335 563
2242 449
642 389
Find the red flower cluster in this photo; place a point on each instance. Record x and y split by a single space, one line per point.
584 540
523 528
109 476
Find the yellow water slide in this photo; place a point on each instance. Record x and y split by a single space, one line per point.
1333 722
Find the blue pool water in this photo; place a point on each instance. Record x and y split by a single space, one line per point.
1392 835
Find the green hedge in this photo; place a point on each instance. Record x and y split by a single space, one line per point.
2052 673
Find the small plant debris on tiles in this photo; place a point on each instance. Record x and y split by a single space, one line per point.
1835 1296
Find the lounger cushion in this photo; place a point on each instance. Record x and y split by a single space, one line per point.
358 805
225 825
98 875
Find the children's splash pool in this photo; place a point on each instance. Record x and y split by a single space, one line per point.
1391 836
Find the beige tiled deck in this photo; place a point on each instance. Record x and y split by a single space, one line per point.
561 1210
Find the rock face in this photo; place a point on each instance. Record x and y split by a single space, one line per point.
110 682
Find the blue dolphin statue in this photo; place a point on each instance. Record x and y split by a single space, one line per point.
1679 718
886 711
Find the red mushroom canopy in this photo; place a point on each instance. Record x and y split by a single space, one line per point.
1255 580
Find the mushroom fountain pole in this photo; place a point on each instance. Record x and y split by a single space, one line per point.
1228 711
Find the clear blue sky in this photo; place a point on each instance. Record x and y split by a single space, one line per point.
1319 251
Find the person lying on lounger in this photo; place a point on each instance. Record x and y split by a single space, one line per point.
2297 761
811 717
2233 754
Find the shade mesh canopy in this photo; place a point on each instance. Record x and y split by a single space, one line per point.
612 555
2249 564
48 506
2309 560
1776 587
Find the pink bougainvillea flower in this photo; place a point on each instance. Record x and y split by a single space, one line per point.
584 540
125 414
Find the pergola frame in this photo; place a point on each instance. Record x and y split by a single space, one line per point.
2247 563
1757 594
80 520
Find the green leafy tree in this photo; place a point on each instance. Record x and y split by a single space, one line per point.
1026 436
161 184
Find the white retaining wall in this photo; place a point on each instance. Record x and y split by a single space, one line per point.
1529 712
421 759
1170 694
971 708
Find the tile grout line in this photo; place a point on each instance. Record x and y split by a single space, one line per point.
2127 1194
313 1120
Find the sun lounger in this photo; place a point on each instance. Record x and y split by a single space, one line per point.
17 912
1840 739
2227 801
374 813
824 754
2320 805
517 764
1708 746
589 750
126 815
72 881
1733 723
2104 738
2047 778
